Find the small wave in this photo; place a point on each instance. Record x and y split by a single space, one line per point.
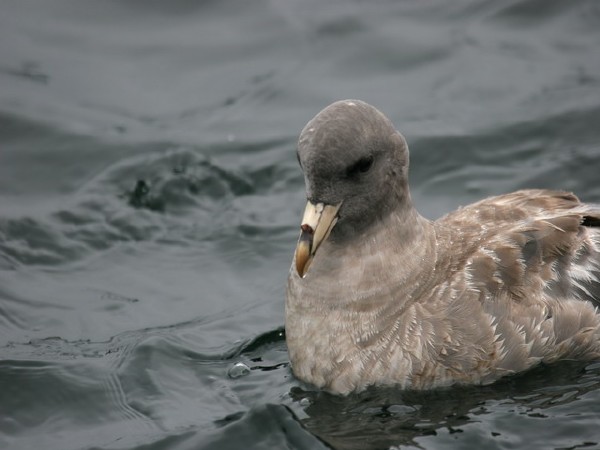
176 196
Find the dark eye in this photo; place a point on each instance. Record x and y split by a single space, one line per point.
361 166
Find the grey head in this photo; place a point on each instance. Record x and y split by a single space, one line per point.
355 167
351 154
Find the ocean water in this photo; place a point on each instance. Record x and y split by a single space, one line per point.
150 201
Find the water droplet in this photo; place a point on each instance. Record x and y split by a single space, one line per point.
238 370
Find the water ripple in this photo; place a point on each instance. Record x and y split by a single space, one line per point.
171 197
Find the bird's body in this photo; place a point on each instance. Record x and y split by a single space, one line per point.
383 296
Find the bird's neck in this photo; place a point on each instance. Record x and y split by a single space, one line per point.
394 253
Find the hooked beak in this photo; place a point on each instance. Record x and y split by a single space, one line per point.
317 222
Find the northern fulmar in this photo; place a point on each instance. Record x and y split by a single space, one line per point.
379 295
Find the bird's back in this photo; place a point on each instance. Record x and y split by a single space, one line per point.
532 261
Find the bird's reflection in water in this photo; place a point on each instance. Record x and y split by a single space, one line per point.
380 418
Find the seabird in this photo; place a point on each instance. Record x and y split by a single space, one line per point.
379 295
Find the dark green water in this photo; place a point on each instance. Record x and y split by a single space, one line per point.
150 201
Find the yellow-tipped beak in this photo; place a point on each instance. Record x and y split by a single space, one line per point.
317 222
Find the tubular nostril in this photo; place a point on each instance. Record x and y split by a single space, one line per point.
307 228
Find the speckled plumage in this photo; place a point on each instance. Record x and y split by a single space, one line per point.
391 298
